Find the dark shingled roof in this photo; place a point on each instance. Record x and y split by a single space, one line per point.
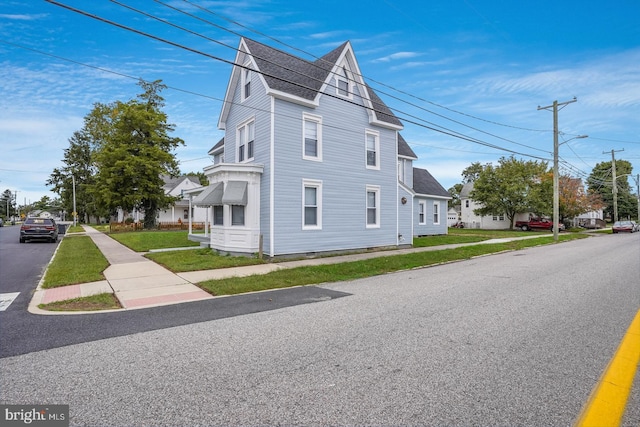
215 147
296 76
404 149
425 183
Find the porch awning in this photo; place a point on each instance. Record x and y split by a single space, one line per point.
210 196
235 193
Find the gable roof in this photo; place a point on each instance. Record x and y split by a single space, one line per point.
286 74
404 150
171 183
425 183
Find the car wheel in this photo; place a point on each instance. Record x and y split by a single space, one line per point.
524 228
21 240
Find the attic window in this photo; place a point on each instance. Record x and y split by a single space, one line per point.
342 83
246 82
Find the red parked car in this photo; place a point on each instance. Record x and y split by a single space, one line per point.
624 227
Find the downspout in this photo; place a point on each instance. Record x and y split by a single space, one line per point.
272 162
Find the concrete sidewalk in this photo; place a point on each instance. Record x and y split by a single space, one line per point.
138 282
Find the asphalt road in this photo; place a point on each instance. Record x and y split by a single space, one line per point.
518 338
21 266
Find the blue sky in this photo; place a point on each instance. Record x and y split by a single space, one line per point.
477 68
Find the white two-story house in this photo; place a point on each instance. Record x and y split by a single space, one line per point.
312 161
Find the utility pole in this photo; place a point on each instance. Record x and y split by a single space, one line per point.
556 186
615 184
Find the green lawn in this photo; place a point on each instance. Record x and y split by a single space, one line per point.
354 270
199 259
78 260
144 241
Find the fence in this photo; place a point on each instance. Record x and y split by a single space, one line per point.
119 227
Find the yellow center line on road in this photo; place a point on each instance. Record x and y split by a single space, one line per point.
608 400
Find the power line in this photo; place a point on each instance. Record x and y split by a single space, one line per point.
307 76
368 78
160 39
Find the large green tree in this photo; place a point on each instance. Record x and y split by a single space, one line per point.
134 149
511 187
78 166
600 181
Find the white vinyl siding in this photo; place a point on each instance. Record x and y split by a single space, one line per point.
312 137
372 149
373 206
311 205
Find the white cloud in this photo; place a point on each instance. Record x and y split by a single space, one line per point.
397 56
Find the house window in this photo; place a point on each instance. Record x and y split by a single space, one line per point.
185 214
342 83
237 215
466 203
218 215
401 170
311 205
246 136
312 137
246 82
372 144
373 206
422 213
436 213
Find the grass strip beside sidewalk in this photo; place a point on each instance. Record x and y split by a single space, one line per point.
301 276
77 260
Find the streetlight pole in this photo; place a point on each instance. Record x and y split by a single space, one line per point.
556 186
73 180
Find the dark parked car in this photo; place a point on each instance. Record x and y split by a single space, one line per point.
624 227
39 229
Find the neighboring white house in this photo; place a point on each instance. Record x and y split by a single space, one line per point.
176 187
312 161
487 222
179 211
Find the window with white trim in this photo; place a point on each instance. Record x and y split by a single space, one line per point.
343 85
422 213
246 136
246 81
311 137
311 204
237 215
401 170
498 217
373 206
218 215
436 213
372 149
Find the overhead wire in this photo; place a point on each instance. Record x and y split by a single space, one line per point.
323 60
178 45
305 75
368 78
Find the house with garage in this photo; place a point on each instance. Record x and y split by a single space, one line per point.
312 161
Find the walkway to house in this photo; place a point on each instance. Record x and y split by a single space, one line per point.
138 282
